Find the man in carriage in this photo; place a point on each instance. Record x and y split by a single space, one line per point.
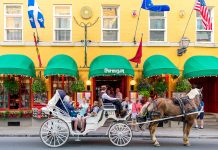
107 99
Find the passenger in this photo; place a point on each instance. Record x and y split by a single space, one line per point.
107 99
126 105
83 112
68 103
119 95
95 109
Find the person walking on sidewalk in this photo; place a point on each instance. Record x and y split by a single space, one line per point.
200 115
136 108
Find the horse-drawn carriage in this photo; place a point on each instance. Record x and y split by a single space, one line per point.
56 130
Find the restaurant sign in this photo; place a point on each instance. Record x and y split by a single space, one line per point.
113 71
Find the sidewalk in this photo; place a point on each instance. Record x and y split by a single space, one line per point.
161 132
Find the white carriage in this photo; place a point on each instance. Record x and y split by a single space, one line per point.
56 130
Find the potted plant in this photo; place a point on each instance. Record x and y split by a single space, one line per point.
144 89
39 88
182 87
11 86
160 87
77 86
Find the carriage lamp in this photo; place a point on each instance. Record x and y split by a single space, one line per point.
132 84
183 44
88 84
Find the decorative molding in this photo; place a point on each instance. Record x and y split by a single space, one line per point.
106 44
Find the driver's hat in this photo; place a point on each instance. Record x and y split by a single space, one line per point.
103 88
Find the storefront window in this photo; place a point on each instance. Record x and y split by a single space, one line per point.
25 93
61 82
21 100
3 96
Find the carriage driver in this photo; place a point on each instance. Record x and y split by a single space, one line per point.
107 99
71 110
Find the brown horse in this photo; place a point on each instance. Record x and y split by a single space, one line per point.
163 107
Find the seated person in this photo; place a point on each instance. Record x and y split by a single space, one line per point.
127 105
95 109
83 112
107 99
68 104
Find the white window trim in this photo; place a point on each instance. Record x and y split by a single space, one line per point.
54 16
212 31
17 15
165 30
118 22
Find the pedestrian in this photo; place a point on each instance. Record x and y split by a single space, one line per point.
136 108
200 115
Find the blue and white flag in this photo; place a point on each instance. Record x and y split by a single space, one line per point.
35 15
148 5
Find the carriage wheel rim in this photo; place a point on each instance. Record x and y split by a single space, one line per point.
120 134
54 132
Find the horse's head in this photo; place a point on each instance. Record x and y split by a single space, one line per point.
195 93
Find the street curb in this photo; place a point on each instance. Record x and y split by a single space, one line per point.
103 135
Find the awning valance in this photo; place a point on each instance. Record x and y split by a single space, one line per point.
158 65
110 65
61 65
201 66
16 64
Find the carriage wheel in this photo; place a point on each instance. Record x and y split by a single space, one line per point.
54 132
120 134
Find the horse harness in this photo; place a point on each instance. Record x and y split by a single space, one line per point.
182 102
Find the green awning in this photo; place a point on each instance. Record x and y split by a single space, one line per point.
15 64
110 65
201 66
158 65
61 65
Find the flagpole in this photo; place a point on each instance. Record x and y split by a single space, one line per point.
188 20
137 65
134 39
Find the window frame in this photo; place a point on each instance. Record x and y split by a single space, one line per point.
110 17
212 31
14 16
62 16
165 24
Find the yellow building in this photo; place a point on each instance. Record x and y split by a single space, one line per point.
109 39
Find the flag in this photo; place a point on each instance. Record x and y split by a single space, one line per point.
35 15
148 5
201 7
138 56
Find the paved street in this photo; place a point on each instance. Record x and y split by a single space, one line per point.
31 143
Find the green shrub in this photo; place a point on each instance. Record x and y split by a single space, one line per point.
77 86
183 85
11 86
39 85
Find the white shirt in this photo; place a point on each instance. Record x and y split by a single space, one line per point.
105 96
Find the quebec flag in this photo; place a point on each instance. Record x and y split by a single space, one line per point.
35 15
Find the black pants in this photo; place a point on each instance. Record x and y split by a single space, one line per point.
117 104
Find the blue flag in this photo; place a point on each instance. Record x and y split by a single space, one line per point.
148 5
35 15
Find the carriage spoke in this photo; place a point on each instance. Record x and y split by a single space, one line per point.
54 132
120 134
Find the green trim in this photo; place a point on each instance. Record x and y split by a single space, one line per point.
110 65
61 65
16 64
158 65
201 66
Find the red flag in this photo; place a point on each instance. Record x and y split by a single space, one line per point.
138 56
